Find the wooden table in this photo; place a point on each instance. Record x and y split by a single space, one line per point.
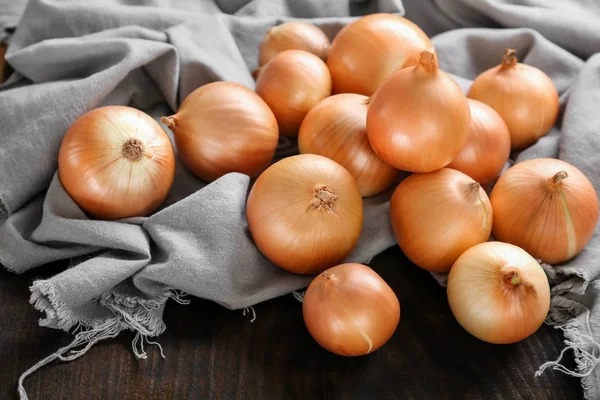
214 353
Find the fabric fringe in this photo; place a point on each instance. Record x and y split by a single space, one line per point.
248 310
298 295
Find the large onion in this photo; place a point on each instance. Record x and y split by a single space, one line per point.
293 35
547 207
498 292
337 128
305 213
437 216
419 120
524 96
224 127
292 83
350 310
116 162
365 53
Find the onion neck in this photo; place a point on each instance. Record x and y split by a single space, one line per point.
514 282
509 60
133 149
558 177
427 62
323 198
169 121
472 189
327 276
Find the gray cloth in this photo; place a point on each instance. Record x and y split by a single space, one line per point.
71 57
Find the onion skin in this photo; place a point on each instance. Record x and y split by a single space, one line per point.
116 162
292 83
498 293
223 127
337 129
488 146
419 120
365 53
293 36
350 310
547 207
305 213
524 96
439 215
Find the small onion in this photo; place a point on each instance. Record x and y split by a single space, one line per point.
365 53
224 127
524 96
545 206
419 120
337 129
116 162
350 310
498 293
488 145
292 83
437 216
305 213
293 36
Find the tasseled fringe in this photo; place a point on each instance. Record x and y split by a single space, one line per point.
248 310
299 296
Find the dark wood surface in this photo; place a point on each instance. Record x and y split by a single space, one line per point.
214 353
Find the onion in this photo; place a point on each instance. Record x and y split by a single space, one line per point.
350 310
524 96
498 292
116 162
419 120
224 127
337 129
292 83
305 213
545 206
293 36
437 216
365 53
488 145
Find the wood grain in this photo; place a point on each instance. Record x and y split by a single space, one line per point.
214 353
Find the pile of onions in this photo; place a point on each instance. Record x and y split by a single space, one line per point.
337 129
116 162
224 127
488 145
545 206
293 36
305 213
498 292
524 96
419 120
365 53
437 216
292 83
350 310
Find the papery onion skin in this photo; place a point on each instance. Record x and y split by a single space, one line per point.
305 213
524 96
437 216
116 162
498 293
337 129
545 206
293 35
365 53
488 146
292 83
223 127
350 310
419 120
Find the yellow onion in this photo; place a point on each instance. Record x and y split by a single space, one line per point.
350 310
365 53
337 129
436 216
293 35
305 213
498 292
524 96
224 127
545 206
419 120
116 162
